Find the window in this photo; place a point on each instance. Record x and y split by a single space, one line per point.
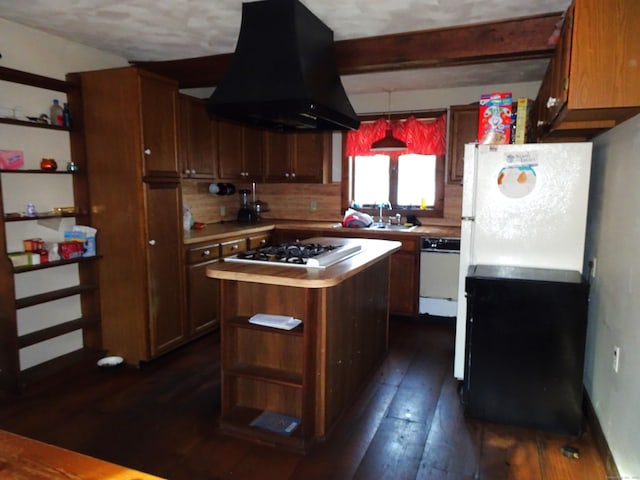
413 183
406 181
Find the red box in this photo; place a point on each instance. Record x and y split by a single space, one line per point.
11 159
494 122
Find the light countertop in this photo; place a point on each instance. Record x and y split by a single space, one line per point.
371 252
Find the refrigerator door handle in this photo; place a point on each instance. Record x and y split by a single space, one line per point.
470 219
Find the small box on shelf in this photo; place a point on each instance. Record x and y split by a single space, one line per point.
11 159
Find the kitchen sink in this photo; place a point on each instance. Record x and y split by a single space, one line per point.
388 226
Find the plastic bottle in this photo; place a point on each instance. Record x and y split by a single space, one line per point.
66 116
56 114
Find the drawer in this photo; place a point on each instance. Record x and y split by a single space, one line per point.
231 247
258 241
409 246
204 253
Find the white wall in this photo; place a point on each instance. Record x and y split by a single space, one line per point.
613 238
435 99
33 51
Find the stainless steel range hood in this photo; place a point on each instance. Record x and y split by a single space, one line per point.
283 74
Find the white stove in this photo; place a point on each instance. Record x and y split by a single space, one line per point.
298 254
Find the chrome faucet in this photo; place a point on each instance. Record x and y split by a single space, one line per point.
382 205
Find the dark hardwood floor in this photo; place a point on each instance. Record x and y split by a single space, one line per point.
408 423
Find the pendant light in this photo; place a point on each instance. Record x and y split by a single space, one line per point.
389 142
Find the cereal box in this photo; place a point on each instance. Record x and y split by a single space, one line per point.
523 120
494 123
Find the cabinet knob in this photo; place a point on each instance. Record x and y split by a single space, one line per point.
263 241
152 242
286 175
206 253
193 171
552 102
234 247
540 123
293 175
147 151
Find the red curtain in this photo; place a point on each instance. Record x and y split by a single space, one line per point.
422 137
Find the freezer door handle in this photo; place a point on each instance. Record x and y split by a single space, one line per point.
469 219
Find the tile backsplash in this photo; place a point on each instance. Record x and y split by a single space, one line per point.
286 201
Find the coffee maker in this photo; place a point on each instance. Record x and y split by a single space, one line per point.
246 214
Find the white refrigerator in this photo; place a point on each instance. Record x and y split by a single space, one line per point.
524 206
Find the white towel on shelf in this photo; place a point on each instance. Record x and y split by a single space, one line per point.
276 321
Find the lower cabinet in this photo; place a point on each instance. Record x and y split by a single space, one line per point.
202 291
167 326
404 279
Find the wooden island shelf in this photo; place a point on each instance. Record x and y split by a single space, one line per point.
314 371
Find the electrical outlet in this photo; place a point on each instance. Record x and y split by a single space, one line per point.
313 206
616 358
223 211
593 263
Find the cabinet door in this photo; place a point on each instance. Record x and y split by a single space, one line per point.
559 70
158 116
239 152
403 284
164 263
310 158
196 145
252 153
230 151
463 129
203 299
277 156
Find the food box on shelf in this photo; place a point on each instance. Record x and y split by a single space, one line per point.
86 236
22 259
523 120
494 122
71 249
11 159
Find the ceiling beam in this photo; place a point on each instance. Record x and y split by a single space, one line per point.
507 40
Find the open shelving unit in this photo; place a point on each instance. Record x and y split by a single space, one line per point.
267 369
13 378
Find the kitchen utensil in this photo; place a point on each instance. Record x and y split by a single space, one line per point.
246 214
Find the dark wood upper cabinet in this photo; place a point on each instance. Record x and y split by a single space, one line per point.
158 105
197 141
592 83
239 152
463 128
297 157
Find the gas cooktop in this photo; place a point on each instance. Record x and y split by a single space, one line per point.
298 254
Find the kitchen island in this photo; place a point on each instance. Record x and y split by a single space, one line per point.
311 373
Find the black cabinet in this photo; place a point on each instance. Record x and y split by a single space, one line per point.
525 343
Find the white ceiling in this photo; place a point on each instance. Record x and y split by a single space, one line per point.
145 30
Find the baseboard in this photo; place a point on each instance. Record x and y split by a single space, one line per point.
602 445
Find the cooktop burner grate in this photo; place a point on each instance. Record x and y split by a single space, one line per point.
297 254
287 252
